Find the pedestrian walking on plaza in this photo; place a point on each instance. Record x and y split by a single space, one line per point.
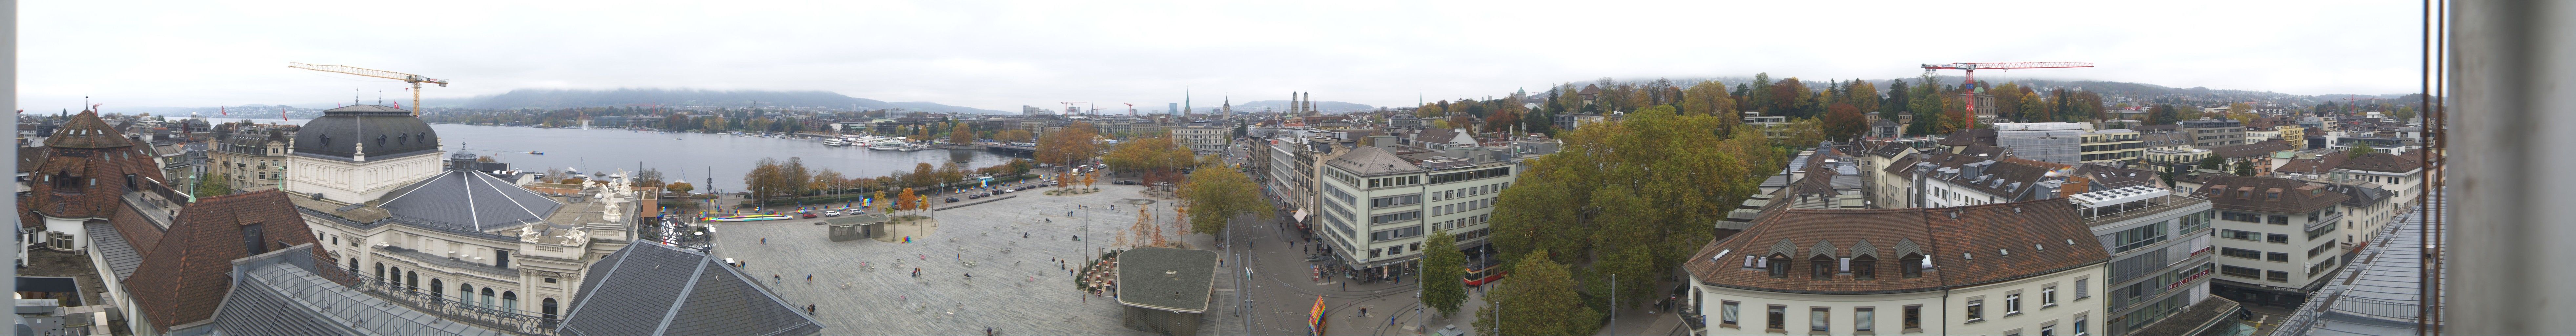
764 240
809 279
773 278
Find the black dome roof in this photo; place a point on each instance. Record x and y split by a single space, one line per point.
387 132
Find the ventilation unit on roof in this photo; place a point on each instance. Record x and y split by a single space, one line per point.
2070 242
2003 251
1967 256
2039 247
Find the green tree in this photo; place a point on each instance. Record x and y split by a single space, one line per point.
2213 162
2245 169
213 184
1443 267
2357 151
1540 299
1215 196
2163 114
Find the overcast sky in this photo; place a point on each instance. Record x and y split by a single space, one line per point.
1003 55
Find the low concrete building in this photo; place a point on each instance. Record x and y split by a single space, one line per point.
1146 274
2213 132
856 227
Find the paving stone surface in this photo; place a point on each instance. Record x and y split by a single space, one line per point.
1017 287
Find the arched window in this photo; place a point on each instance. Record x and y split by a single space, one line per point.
1779 265
380 272
487 297
353 266
1824 267
1913 265
510 301
411 281
437 290
1864 267
549 308
465 293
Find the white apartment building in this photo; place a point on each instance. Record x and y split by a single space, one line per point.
2278 238
1377 206
2032 270
2401 175
1203 138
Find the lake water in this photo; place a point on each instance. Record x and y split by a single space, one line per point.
684 156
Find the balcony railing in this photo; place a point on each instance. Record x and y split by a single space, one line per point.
458 309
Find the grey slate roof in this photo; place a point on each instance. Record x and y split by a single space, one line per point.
469 201
277 293
387 132
1142 278
120 254
1373 161
652 289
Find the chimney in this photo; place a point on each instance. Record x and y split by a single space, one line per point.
2074 185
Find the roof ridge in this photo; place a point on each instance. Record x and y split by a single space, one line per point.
681 300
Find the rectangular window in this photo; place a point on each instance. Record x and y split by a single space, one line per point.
2240 235
2048 297
2278 256
2276 238
2012 304
2241 272
1976 310
1913 317
2241 217
2082 292
1779 318
2048 330
2280 220
1864 319
1726 313
2078 328
2240 253
1817 319
2277 276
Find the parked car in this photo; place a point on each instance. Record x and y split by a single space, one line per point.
806 215
952 200
833 213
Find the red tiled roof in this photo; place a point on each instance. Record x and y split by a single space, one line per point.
185 277
1964 243
2384 162
2249 193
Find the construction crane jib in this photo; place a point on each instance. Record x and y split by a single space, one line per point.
415 80
1969 85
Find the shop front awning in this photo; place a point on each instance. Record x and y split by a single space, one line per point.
1301 215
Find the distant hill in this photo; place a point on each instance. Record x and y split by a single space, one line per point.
1282 105
557 98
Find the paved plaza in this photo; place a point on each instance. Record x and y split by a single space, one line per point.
1017 286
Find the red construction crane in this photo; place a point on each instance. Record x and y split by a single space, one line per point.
1131 109
1969 86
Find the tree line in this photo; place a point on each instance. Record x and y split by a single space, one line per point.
771 177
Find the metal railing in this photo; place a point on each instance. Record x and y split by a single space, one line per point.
458 309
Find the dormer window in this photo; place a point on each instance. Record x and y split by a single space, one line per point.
1864 267
1914 265
1824 267
1778 264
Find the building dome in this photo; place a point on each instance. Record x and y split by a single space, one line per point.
363 132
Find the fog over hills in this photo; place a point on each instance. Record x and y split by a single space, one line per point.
567 98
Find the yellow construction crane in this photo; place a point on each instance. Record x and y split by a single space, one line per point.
415 80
